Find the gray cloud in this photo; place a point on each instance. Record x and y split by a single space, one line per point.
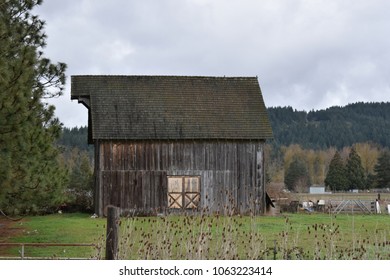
307 54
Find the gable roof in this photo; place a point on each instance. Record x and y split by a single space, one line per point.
172 107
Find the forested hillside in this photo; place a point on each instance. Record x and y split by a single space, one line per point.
333 127
76 137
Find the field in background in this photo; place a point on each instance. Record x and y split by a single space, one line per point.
291 236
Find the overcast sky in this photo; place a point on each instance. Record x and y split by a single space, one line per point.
307 54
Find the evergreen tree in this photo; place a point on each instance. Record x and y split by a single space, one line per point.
382 169
76 137
30 176
355 172
80 189
336 177
297 177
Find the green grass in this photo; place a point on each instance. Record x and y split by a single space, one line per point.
64 228
294 236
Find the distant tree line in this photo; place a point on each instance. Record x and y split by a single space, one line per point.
337 127
363 166
76 137
343 148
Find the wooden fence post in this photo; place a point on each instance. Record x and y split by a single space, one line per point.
112 238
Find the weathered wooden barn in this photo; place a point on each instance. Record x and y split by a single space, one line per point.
176 142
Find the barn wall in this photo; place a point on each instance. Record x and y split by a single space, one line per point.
134 174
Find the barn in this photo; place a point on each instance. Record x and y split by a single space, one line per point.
176 143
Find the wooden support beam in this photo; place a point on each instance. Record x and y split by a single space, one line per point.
112 237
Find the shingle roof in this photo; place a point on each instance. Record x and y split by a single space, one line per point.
173 107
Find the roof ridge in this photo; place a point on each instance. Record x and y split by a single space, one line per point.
170 76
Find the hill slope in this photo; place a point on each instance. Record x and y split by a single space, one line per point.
332 127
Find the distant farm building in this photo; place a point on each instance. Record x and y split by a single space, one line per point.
317 190
176 142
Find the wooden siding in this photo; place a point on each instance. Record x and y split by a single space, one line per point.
133 174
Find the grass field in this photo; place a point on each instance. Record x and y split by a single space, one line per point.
67 228
292 236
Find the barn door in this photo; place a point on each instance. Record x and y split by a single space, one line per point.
183 192
175 192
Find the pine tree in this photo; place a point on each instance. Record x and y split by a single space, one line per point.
382 169
297 176
355 172
336 177
30 176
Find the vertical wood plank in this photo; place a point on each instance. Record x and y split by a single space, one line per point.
98 201
260 179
